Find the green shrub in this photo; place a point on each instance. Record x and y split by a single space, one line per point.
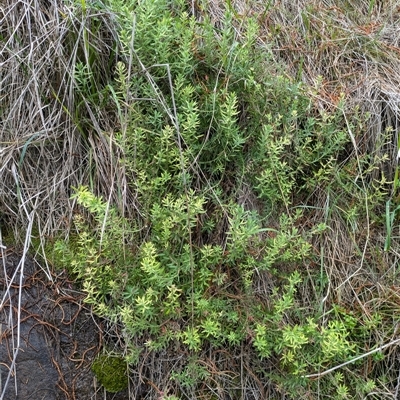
204 115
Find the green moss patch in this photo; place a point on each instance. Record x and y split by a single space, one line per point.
110 371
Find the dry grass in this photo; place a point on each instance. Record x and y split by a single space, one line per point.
336 48
52 138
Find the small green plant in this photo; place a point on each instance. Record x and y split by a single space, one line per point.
390 216
191 374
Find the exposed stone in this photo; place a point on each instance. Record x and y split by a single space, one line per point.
55 339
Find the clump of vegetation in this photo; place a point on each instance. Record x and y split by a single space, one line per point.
228 203
111 372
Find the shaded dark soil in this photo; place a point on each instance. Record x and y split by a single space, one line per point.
48 338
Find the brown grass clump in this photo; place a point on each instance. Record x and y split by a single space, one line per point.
53 135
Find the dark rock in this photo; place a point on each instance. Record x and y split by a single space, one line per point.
48 337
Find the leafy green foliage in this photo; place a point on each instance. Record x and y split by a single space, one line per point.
200 117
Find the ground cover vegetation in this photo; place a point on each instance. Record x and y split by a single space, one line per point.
221 179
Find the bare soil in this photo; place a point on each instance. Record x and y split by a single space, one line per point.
48 337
